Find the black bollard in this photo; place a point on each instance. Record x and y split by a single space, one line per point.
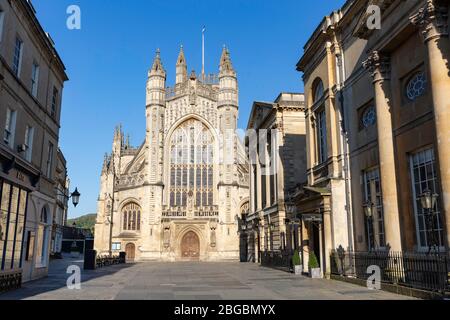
122 257
90 257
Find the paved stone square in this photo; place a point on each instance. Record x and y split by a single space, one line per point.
189 281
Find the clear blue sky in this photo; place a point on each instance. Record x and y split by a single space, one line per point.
107 62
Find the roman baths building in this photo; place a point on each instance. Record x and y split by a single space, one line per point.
177 196
378 128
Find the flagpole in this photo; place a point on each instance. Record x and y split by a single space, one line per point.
203 54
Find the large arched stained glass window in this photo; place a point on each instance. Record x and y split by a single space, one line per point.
131 217
191 164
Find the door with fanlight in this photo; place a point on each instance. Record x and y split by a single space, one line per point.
130 252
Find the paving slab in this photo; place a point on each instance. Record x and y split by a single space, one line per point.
189 281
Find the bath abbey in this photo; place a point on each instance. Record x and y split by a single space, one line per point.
180 194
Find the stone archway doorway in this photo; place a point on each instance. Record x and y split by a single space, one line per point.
190 246
130 252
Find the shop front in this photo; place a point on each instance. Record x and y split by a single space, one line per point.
15 186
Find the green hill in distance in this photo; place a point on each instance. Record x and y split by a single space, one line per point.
86 222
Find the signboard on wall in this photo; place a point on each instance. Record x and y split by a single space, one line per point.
312 217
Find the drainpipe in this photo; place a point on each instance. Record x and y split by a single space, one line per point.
345 150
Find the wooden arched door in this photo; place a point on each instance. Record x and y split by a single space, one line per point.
130 251
190 246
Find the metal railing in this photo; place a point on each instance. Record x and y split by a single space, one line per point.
277 259
10 280
423 271
104 261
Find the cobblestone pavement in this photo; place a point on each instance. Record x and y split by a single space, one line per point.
189 281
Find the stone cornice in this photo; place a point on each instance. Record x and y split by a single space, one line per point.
323 34
432 19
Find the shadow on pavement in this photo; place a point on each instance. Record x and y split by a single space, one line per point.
57 278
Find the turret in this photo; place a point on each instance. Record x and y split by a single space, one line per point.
155 110
228 88
181 68
156 83
227 106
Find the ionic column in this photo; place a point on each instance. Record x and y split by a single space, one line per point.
379 66
432 21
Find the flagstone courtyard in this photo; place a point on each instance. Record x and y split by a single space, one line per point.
188 281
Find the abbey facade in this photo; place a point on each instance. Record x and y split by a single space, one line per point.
180 194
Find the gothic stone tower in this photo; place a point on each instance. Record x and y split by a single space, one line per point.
178 195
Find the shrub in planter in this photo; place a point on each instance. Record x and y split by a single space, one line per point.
314 268
297 262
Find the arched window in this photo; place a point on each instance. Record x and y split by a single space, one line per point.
43 236
317 90
131 217
191 164
44 215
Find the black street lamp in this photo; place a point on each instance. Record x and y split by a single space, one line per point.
74 195
428 201
368 212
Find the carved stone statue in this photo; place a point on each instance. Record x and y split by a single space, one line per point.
213 227
166 236
213 237
190 204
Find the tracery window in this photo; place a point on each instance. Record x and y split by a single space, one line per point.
416 86
191 164
131 217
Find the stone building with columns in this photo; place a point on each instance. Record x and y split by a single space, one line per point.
177 196
378 125
276 146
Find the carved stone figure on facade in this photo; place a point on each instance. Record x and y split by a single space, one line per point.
166 235
190 203
213 227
